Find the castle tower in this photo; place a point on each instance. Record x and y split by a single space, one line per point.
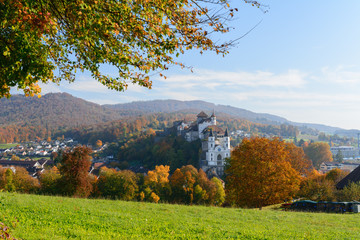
213 118
201 116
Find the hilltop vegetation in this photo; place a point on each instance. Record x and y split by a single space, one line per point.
28 118
43 217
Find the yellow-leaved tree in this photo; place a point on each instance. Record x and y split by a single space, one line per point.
48 40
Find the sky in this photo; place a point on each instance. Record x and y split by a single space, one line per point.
301 62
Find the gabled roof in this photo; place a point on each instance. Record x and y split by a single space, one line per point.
354 176
214 128
24 164
331 163
202 115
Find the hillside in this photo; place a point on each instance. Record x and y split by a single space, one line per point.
167 106
44 217
195 107
54 110
24 118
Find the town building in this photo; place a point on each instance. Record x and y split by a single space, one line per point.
328 166
215 142
348 152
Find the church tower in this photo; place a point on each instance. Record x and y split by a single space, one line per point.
226 139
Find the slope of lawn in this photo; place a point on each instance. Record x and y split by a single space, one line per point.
44 217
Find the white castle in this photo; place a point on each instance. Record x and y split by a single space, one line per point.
215 143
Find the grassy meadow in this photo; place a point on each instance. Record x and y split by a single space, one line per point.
8 145
44 217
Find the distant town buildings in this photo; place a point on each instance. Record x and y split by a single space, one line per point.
347 152
215 142
36 149
328 166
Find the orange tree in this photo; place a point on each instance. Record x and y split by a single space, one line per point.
74 169
322 187
136 37
259 173
318 152
298 159
158 181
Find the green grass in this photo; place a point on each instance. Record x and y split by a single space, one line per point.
43 217
8 145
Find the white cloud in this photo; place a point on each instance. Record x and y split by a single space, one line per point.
341 75
212 79
49 87
85 84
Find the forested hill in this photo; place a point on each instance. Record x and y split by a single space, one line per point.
168 106
194 107
55 110
25 118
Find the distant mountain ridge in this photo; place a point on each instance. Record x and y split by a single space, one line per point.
168 106
56 110
195 106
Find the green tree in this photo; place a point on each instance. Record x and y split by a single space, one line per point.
219 197
339 157
9 177
350 193
117 184
136 37
49 181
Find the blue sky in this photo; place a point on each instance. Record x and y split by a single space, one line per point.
302 62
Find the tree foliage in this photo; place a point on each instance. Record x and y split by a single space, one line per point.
136 37
74 170
49 181
298 159
321 187
318 152
260 173
350 193
117 184
191 186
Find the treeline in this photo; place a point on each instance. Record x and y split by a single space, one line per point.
23 133
54 110
79 125
260 172
186 185
121 130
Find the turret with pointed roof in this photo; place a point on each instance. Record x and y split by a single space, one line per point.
202 115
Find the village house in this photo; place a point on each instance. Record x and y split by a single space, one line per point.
33 167
328 166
